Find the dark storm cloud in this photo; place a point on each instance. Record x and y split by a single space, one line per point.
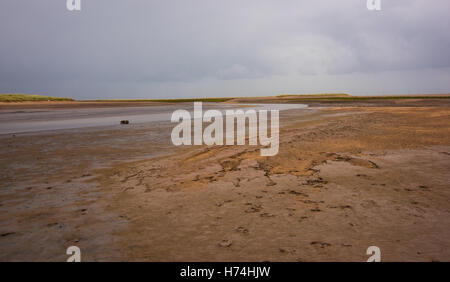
142 48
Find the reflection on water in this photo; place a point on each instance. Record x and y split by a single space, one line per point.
57 119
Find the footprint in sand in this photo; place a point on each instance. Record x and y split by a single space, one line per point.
287 250
241 229
225 243
320 244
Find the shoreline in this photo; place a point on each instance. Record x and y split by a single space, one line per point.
319 100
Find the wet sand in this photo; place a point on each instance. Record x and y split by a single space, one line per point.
13 120
346 177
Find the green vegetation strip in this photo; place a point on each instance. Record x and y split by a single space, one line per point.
29 98
353 98
313 95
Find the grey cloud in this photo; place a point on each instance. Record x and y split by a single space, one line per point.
142 48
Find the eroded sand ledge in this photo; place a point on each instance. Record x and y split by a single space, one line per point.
345 178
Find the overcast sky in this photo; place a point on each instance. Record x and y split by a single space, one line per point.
218 48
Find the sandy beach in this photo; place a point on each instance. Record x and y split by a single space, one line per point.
347 176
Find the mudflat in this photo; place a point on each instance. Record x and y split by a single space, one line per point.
347 176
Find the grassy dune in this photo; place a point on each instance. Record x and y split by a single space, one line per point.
346 97
323 95
360 98
30 98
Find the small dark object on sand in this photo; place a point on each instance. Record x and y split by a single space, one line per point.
124 122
